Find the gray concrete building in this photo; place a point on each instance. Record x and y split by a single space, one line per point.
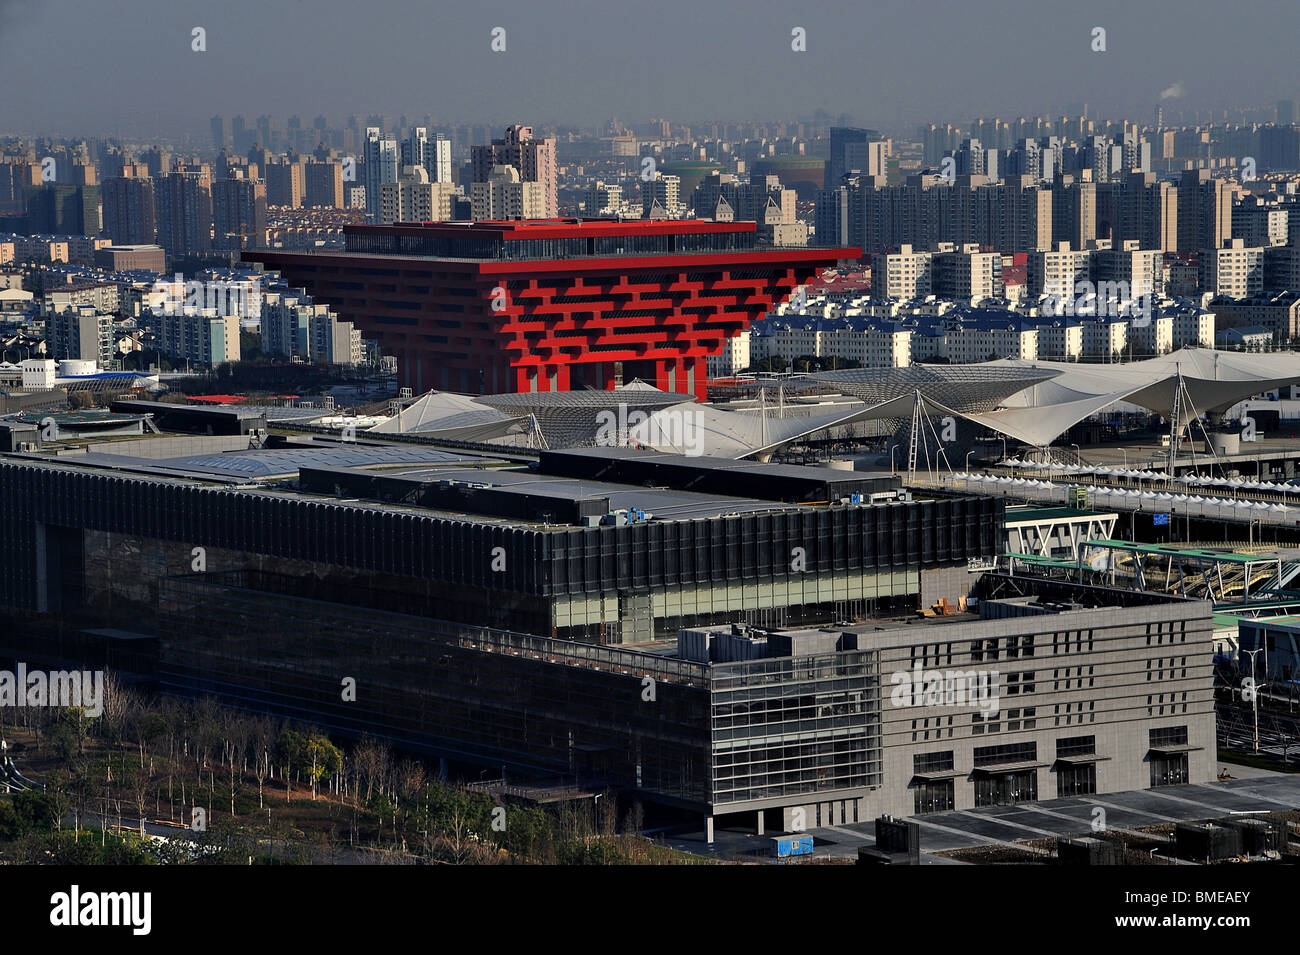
1046 691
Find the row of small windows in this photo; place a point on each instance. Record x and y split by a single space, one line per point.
1158 666
482 247
981 724
1160 704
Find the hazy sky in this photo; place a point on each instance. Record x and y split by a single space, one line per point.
126 66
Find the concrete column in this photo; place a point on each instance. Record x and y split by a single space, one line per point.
760 822
708 829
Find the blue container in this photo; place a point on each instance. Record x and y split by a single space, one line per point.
785 846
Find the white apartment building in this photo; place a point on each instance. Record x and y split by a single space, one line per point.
34 374
1140 270
1154 337
505 196
966 344
887 345
734 357
1061 339
965 274
79 331
1057 272
1194 328
1235 269
1259 223
383 156
906 274
414 198
665 191
1105 338
603 199
875 346
295 326
199 336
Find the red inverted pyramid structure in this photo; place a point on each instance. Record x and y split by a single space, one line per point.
552 305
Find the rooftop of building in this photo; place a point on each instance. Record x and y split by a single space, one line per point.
557 239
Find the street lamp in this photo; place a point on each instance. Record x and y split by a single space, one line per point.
1254 694
1124 451
968 454
892 449
1004 448
1078 455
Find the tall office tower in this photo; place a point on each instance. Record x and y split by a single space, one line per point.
285 184
382 156
1204 211
63 210
220 133
129 210
238 214
1159 118
533 158
183 203
323 184
1074 210
854 149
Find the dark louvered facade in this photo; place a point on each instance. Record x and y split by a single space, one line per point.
52 505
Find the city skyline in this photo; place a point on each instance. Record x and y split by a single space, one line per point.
709 64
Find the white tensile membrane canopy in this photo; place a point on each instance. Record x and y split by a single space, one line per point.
711 432
1215 381
452 415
